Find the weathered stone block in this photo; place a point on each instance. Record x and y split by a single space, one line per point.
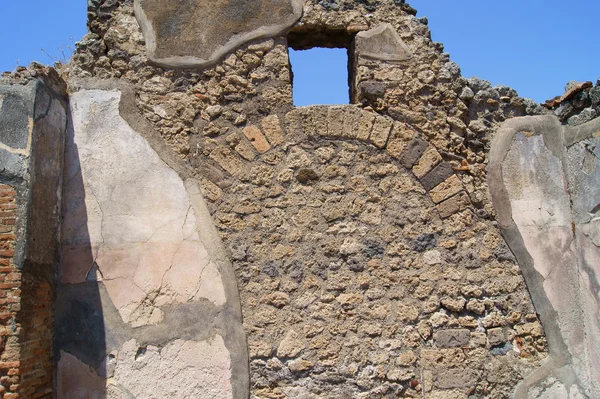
446 189
496 336
381 43
272 129
456 378
381 131
437 175
427 162
352 115
413 151
365 125
228 161
257 139
400 136
335 122
454 204
452 338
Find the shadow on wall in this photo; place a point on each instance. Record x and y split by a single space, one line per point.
80 335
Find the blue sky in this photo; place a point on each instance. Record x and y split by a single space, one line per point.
534 46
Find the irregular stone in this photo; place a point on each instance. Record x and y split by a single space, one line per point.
228 161
381 131
454 204
446 189
290 346
300 365
452 338
196 33
276 299
400 375
496 336
381 43
256 138
437 175
272 129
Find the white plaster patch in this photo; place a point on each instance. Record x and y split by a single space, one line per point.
128 212
181 369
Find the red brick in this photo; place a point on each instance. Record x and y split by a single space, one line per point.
7 253
9 365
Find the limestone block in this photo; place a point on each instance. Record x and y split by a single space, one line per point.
446 189
454 204
257 139
365 125
381 131
335 122
196 33
427 162
272 129
352 115
381 43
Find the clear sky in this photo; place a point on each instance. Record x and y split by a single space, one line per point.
534 46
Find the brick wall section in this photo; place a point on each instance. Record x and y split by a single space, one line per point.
37 326
10 297
26 318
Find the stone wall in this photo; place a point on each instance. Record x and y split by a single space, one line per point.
362 236
217 241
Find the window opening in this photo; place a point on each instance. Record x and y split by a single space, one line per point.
320 76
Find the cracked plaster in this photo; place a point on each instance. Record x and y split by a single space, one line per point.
545 193
141 225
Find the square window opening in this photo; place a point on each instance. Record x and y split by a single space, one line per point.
320 66
320 76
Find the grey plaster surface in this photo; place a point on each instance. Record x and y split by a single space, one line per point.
16 113
32 131
196 33
543 178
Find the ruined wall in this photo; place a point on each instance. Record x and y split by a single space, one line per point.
362 236
217 241
32 130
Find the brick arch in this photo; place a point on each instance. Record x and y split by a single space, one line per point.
351 122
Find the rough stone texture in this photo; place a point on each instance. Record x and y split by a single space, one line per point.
135 238
331 234
199 32
539 186
363 237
